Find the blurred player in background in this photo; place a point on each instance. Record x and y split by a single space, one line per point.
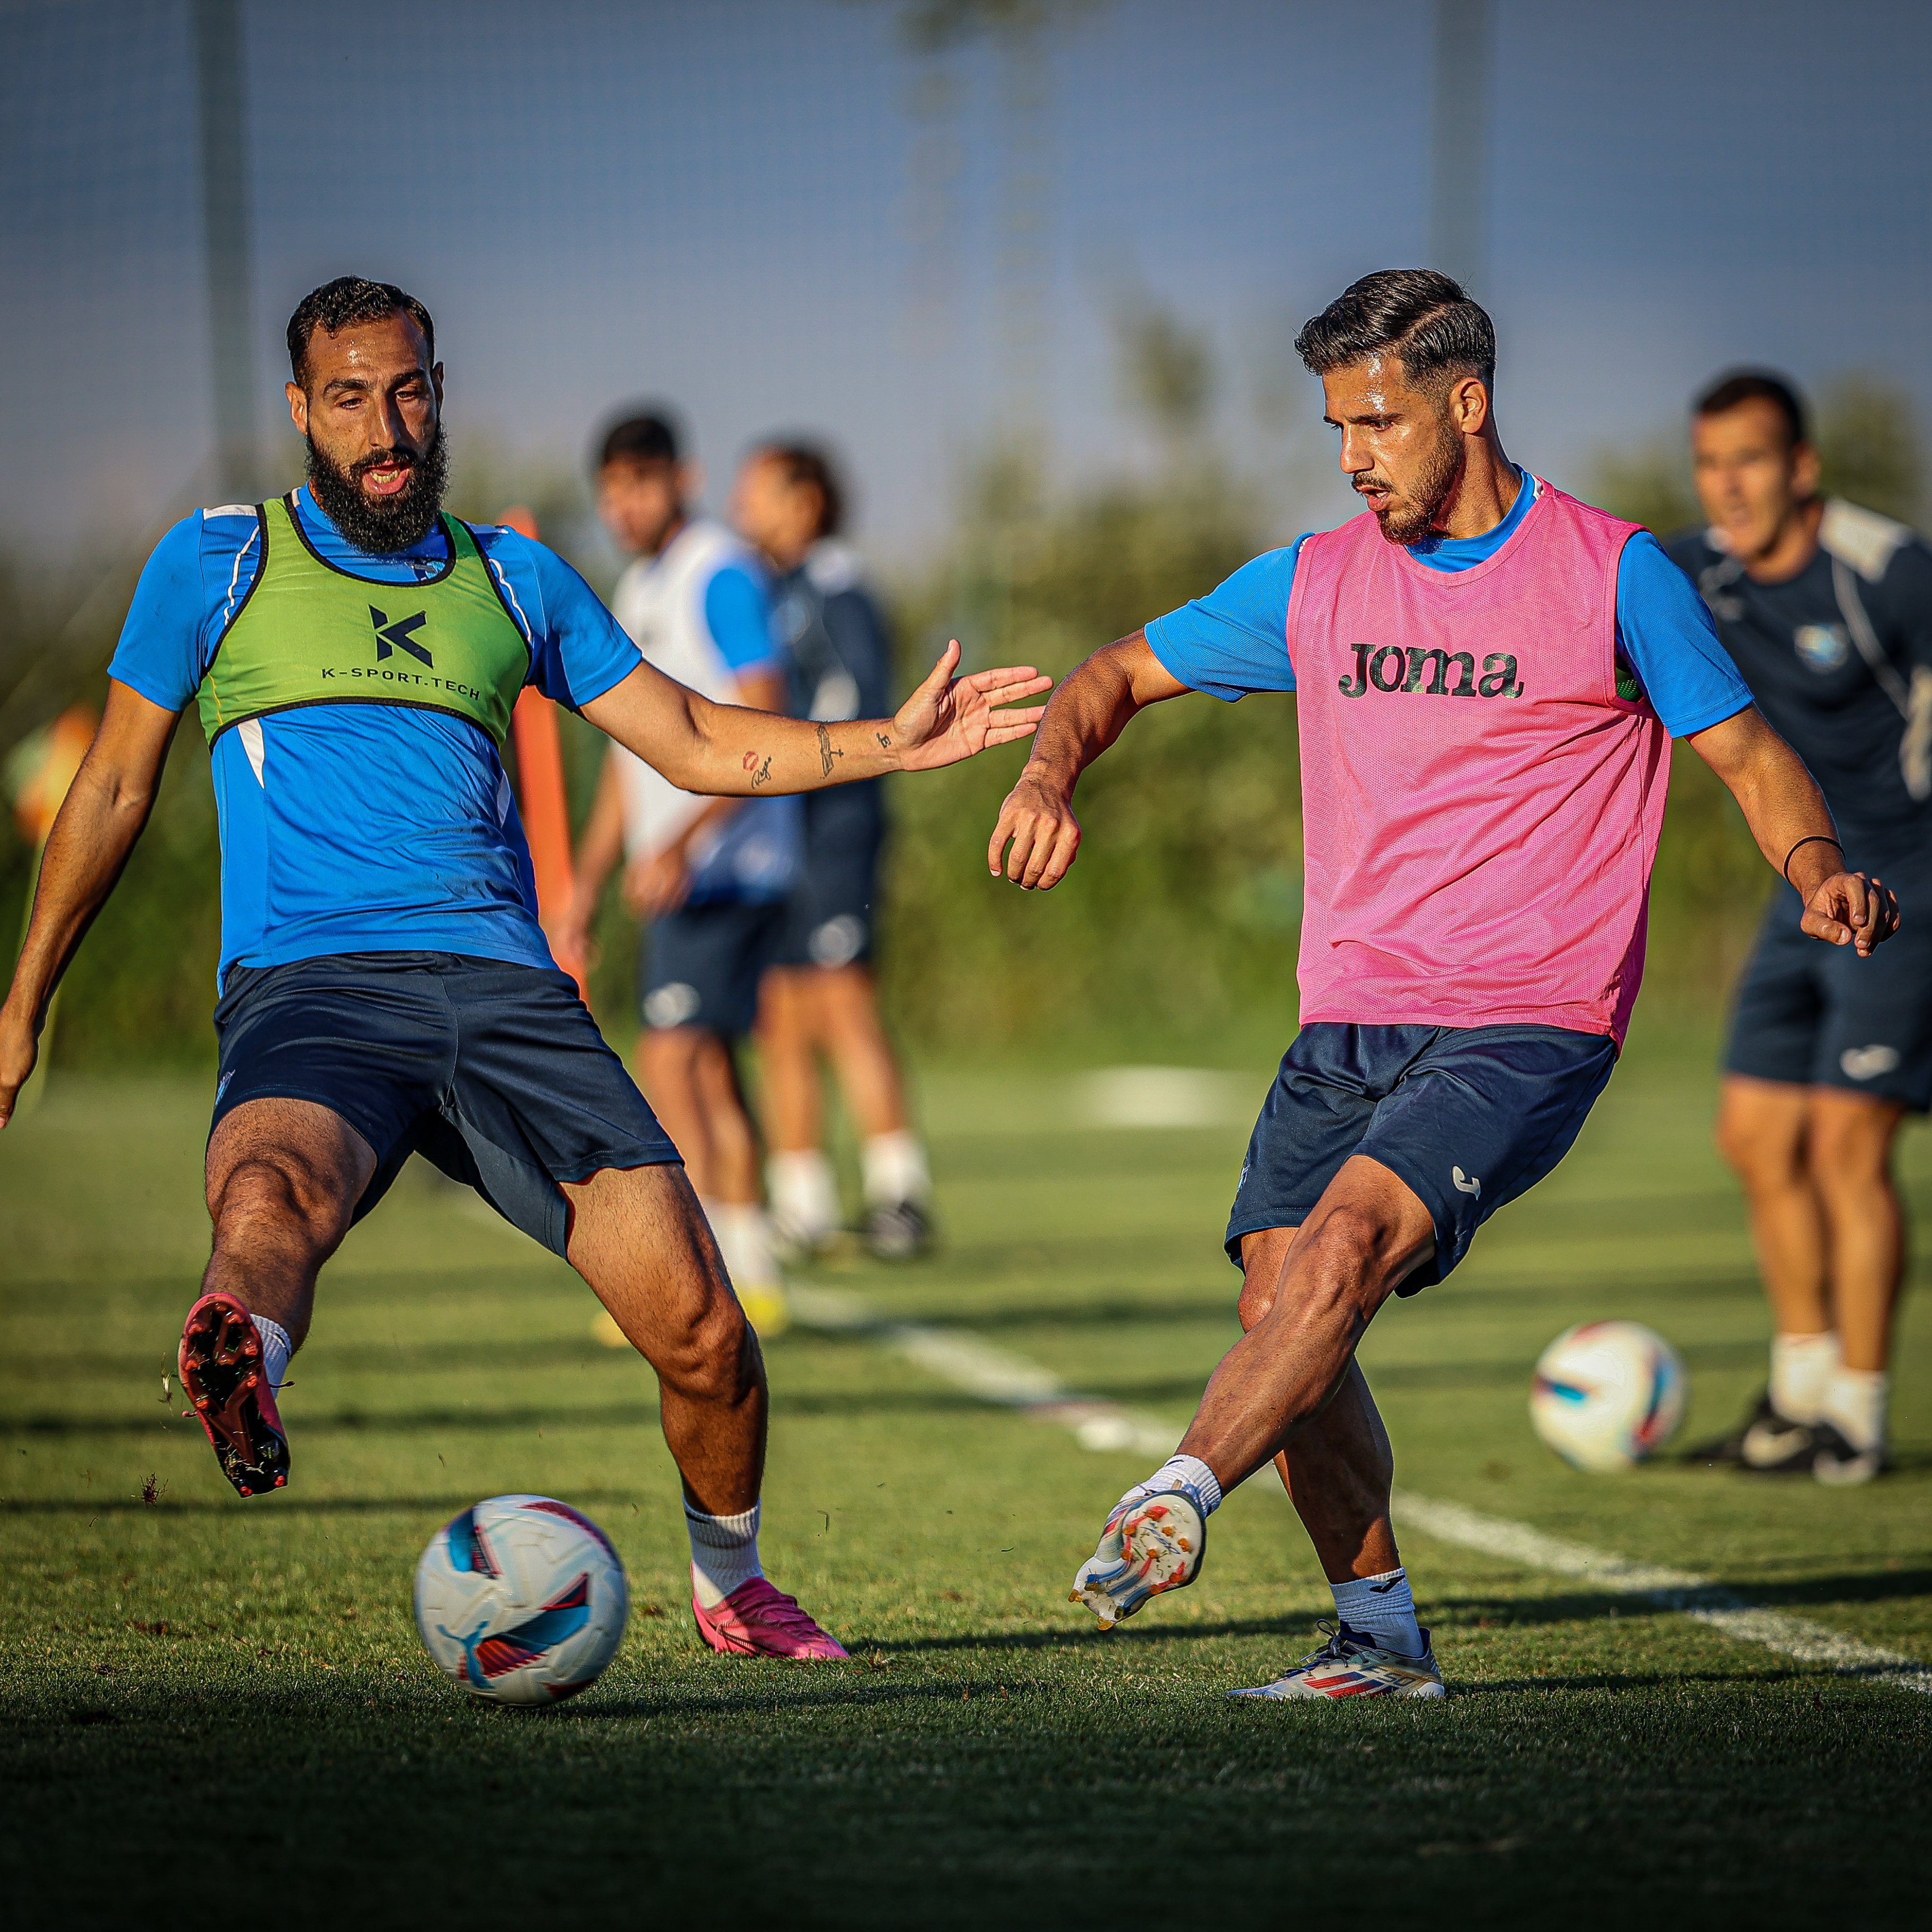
1827 610
1488 674
355 655
819 997
709 876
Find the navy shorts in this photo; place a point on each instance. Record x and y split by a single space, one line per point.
828 917
1817 1016
701 966
495 1072
1468 1116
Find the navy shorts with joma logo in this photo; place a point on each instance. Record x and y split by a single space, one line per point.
494 1072
1468 1118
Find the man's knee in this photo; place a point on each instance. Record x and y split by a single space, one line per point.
1850 1142
1763 1137
280 1193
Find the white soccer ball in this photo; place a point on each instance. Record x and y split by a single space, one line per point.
1607 1394
521 1600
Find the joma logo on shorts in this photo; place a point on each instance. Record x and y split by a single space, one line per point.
1390 667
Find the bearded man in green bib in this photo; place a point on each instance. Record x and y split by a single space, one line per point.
385 988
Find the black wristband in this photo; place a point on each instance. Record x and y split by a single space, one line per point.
1816 839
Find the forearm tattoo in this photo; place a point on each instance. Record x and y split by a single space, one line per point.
826 752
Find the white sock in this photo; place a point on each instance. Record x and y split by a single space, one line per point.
1801 1366
745 1240
1854 1405
804 1194
1178 1472
896 1170
1382 1607
724 1553
275 1351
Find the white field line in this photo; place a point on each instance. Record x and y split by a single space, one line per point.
983 1368
1010 1380
1699 1597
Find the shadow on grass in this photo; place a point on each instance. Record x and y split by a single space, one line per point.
281 1503
1589 1606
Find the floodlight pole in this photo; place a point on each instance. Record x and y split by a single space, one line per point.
1464 30
224 201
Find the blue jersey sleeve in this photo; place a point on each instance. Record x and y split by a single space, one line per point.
189 589
577 649
1235 639
739 616
1666 633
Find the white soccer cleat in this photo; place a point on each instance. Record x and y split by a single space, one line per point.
1351 1665
1150 1543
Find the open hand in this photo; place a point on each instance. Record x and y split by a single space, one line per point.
1850 909
948 719
1044 832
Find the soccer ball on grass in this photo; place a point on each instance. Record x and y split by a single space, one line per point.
521 1600
1607 1394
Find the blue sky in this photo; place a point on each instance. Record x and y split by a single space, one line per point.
770 212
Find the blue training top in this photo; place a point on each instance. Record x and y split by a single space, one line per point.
372 828
1235 639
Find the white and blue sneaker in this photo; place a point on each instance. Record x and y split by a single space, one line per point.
1350 1664
1150 1543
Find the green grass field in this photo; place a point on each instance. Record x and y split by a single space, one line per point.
212 1708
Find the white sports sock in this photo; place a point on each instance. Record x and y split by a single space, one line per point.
275 1351
1801 1365
804 1195
745 1240
1382 1607
724 1553
896 1170
1175 1472
1854 1405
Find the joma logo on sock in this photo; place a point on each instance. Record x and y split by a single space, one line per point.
398 636
1390 667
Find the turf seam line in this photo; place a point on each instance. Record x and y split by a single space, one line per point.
1006 1380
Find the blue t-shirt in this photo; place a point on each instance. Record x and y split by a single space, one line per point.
364 828
1235 639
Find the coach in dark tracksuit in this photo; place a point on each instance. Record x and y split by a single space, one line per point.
1827 609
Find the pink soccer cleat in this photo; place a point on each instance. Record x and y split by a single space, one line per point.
757 1620
222 1374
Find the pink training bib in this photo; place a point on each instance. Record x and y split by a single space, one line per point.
1480 809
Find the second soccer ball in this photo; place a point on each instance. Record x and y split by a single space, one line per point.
1607 1394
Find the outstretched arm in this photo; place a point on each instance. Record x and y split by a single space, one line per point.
726 751
1089 711
1788 818
106 808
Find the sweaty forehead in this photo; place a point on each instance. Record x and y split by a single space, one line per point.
359 352
1376 385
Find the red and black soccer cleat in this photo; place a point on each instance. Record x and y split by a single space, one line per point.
223 1374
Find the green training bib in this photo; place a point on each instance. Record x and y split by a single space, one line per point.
310 634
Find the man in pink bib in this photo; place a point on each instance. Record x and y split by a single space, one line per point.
1489 675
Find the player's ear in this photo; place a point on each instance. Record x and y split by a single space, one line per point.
1469 404
1804 470
298 406
435 380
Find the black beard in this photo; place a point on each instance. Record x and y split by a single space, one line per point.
385 526
1415 522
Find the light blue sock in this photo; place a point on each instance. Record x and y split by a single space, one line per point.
1382 1607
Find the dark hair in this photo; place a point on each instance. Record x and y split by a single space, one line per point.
1417 315
1756 385
349 299
806 465
645 436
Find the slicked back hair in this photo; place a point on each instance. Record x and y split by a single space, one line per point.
1757 386
1418 315
805 466
641 436
349 299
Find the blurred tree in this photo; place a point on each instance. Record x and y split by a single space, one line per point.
1869 447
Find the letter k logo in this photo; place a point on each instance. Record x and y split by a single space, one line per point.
395 637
